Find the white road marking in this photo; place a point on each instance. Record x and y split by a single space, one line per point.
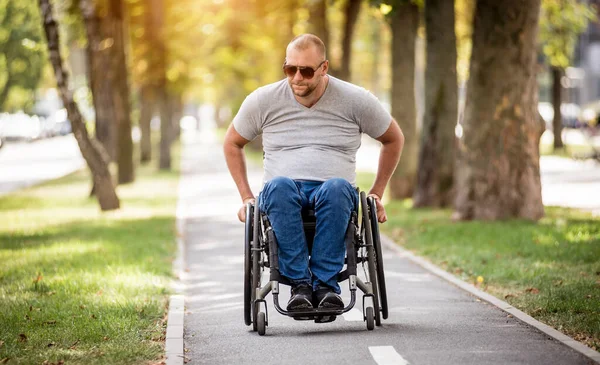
386 355
353 315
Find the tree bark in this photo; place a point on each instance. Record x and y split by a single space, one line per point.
5 89
99 36
435 173
404 23
159 67
557 74
146 112
165 129
91 152
318 19
376 45
176 110
351 16
120 95
499 175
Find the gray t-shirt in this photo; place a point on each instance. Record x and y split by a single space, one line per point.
317 143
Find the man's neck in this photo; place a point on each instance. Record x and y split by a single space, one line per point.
315 96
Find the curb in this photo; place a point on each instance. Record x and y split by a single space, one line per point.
174 346
559 336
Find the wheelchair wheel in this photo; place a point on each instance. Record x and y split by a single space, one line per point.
248 265
383 302
370 316
256 264
372 264
262 323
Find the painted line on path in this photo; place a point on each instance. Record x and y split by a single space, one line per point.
386 355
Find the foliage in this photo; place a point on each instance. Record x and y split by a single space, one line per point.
22 52
388 7
561 22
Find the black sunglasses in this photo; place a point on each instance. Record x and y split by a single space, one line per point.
305 71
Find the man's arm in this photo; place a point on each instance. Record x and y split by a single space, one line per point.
392 141
233 147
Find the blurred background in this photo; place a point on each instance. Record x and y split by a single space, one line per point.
206 56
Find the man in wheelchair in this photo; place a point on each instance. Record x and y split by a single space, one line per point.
311 125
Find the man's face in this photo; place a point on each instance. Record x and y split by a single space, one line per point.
309 57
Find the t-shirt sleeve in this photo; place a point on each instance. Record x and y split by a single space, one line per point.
248 122
371 116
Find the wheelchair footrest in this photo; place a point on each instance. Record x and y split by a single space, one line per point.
311 314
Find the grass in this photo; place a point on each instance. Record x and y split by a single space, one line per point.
81 286
549 269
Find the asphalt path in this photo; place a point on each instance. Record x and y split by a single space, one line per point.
24 164
430 322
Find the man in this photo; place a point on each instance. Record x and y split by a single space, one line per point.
311 125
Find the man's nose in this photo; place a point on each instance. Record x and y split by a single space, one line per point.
298 75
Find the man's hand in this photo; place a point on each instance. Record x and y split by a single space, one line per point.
242 211
381 215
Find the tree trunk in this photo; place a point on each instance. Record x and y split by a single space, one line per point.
120 95
6 89
288 20
99 35
176 110
437 151
91 152
376 49
159 67
318 19
499 174
165 129
351 16
146 112
557 74
404 23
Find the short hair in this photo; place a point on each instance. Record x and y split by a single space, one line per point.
304 41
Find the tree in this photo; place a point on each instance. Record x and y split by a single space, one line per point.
436 156
351 10
109 85
318 19
121 94
91 150
498 173
403 17
561 22
21 49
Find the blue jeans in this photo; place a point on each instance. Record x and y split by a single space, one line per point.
333 201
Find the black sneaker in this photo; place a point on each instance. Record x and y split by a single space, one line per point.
327 298
301 298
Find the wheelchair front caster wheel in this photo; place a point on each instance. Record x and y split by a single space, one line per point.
261 323
370 317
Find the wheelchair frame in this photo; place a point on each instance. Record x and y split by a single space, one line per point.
363 245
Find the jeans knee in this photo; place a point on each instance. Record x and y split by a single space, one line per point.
279 190
334 189
337 185
280 183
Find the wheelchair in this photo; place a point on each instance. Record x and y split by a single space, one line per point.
363 246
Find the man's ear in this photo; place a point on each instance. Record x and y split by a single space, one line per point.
325 67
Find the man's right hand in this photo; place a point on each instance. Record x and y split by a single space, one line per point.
242 211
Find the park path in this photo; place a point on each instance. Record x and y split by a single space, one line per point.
431 321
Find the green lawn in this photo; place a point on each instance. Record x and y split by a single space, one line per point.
82 286
550 270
